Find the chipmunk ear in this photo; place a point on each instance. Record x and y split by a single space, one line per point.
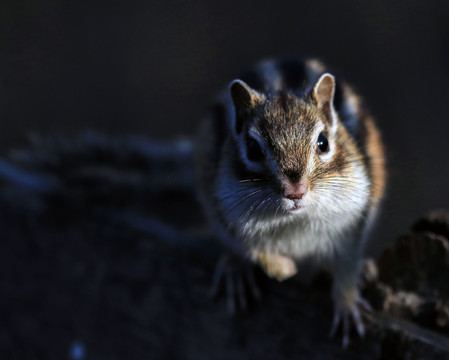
323 92
324 89
243 97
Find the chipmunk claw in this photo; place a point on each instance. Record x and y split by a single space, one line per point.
235 276
344 315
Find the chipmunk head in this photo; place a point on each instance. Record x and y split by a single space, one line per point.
289 144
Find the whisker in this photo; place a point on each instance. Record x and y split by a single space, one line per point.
254 209
241 201
249 180
277 209
243 218
235 192
264 207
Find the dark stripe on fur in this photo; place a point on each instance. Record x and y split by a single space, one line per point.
255 80
293 73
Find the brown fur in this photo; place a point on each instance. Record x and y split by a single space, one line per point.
286 120
376 156
286 129
286 124
270 137
372 148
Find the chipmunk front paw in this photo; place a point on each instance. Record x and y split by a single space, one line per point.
276 266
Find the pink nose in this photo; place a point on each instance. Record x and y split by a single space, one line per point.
295 196
296 191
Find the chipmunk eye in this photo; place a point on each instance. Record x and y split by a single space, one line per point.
254 152
322 144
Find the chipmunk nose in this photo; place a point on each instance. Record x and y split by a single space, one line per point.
296 191
295 196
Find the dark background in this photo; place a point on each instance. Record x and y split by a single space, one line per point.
73 282
152 67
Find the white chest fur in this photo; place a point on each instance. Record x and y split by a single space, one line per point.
302 237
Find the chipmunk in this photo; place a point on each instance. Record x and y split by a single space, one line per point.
291 168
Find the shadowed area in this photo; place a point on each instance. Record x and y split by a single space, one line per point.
92 271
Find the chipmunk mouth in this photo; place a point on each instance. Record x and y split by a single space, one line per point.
295 206
294 193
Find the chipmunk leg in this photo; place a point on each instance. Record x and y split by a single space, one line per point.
348 304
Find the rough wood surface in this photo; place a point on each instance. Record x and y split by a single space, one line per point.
105 256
